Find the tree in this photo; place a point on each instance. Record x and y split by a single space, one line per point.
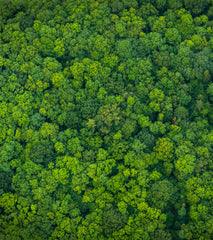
105 119
160 193
124 48
181 112
175 4
164 149
49 129
159 25
156 96
196 7
157 128
185 26
172 36
185 165
117 6
128 128
37 120
109 114
113 220
8 202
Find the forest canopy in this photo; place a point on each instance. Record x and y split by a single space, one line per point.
106 119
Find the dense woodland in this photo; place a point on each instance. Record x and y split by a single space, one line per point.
106 119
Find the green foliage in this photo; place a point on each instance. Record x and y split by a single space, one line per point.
106 113
113 220
172 36
197 7
164 149
185 165
181 112
124 48
160 193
